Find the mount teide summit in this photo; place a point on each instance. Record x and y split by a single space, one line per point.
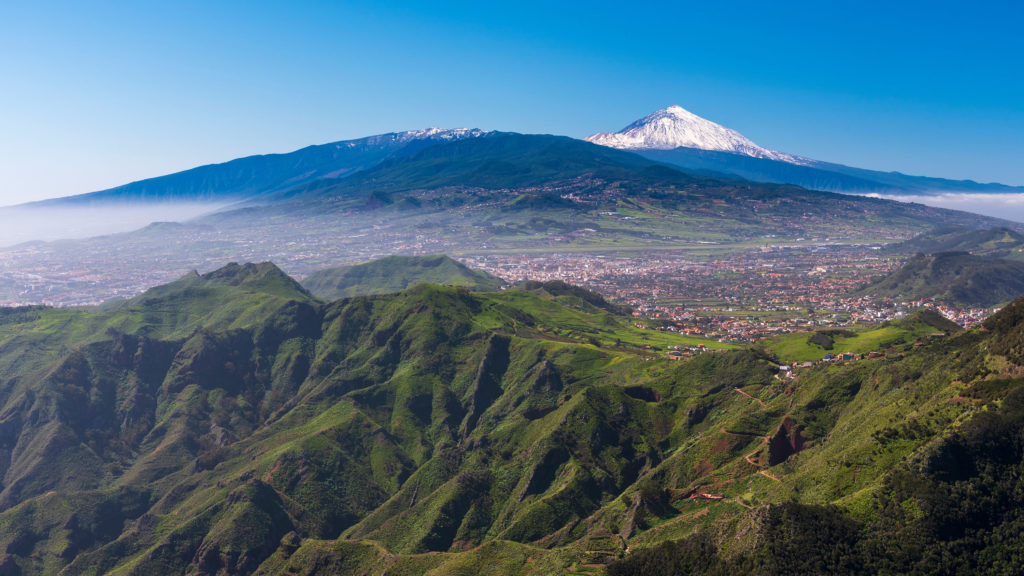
435 174
679 137
671 136
675 127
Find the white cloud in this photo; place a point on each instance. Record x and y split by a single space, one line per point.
1006 206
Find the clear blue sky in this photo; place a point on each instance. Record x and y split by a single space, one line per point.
96 94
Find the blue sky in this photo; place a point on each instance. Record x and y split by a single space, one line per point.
96 94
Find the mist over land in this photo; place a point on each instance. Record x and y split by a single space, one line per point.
20 224
26 223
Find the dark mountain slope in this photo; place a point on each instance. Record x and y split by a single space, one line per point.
817 175
469 185
256 175
765 170
556 166
505 160
994 242
497 162
396 273
957 278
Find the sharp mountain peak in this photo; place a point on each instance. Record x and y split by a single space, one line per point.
676 127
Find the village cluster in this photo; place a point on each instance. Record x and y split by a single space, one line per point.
740 296
724 293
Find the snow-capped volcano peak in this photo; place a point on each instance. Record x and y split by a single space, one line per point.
676 127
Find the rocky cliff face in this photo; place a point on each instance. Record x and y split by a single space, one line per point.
786 442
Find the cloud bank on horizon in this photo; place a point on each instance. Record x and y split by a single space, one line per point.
1005 206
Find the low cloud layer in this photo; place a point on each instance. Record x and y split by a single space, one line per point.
23 224
1005 206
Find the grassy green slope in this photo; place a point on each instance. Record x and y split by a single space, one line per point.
396 273
436 430
247 412
910 465
957 278
813 346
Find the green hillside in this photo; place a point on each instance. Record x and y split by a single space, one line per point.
395 273
956 278
572 295
813 346
994 242
230 423
918 472
204 425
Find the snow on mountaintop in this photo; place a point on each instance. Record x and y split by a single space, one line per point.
424 134
676 127
441 133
